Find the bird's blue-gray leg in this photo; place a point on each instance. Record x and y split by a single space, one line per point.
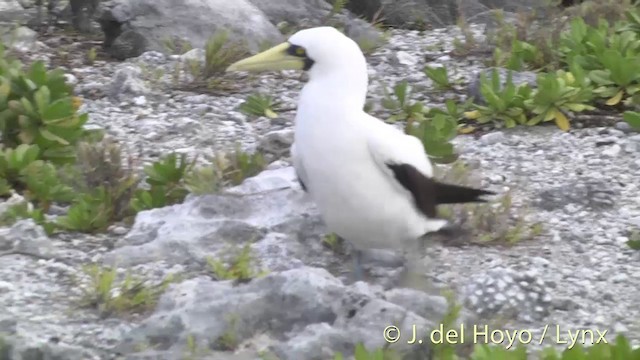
358 272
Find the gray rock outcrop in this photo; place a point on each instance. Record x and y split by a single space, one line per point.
133 27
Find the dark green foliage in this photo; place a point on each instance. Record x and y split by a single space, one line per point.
165 178
37 107
504 104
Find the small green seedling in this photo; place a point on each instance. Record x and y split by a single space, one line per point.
259 105
401 105
109 296
439 76
240 268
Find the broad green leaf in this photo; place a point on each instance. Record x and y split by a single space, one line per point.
601 77
632 118
38 73
53 137
27 108
58 109
42 99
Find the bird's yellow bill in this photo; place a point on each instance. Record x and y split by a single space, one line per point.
273 59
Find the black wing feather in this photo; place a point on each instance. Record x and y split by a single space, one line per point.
304 187
428 193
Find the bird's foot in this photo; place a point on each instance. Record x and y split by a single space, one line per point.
451 235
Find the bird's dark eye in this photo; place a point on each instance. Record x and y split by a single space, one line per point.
296 50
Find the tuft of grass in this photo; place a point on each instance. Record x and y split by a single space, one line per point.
499 222
152 74
225 169
229 340
220 53
193 351
337 6
496 222
259 105
110 296
176 46
240 268
103 164
439 76
238 165
105 182
203 180
464 46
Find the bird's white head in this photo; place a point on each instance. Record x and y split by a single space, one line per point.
324 52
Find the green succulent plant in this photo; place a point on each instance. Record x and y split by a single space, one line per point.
504 104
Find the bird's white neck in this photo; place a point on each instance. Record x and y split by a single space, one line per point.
345 87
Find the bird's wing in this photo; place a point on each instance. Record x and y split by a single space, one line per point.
297 164
403 159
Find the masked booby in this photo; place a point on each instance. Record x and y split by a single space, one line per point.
372 183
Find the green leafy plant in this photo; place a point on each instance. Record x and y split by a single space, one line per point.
14 160
436 131
558 94
102 164
439 76
503 104
110 296
37 107
176 46
90 212
620 349
520 56
619 79
25 210
220 53
238 165
239 268
44 186
445 349
582 44
401 105
259 105
165 178
229 340
203 180
632 118
336 8
225 169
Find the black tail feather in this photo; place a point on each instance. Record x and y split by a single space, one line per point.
429 193
454 194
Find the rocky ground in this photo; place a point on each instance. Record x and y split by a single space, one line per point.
577 274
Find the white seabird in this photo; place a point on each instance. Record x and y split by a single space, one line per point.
371 182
